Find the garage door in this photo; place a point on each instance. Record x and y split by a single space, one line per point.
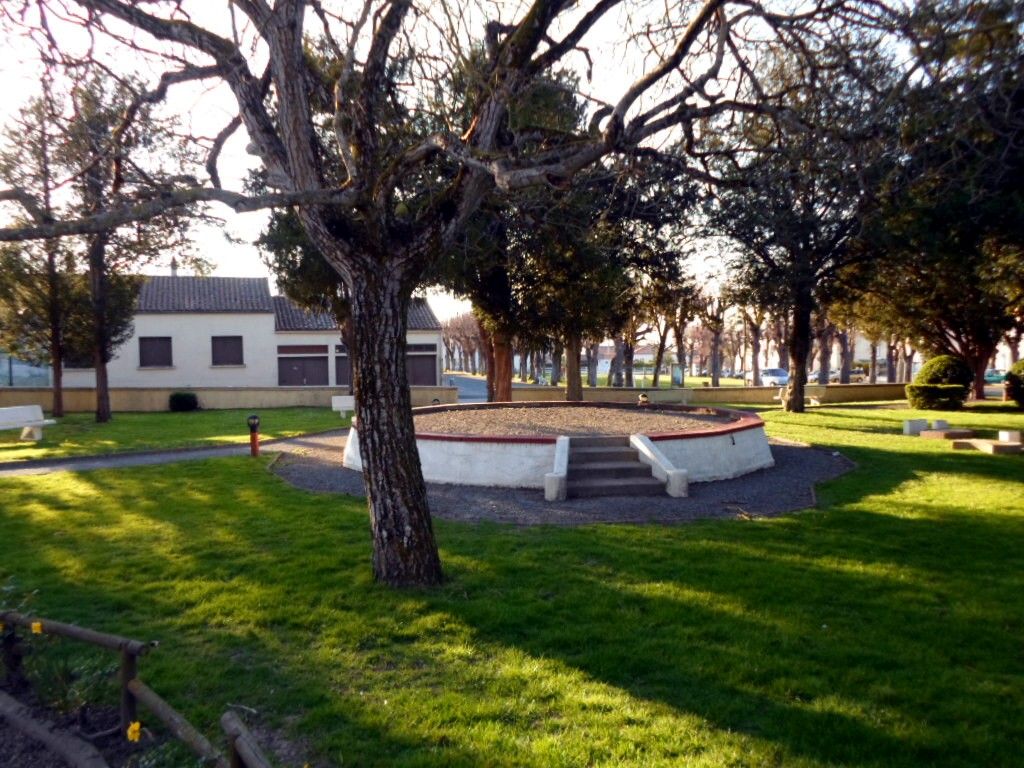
302 371
421 370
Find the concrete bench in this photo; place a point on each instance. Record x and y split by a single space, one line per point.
343 404
28 418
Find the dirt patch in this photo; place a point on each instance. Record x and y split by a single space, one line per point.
511 421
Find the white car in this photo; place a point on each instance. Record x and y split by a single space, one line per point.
770 377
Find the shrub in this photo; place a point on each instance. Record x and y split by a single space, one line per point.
945 369
1015 381
936 397
184 401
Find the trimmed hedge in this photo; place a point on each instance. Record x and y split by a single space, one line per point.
945 369
936 397
1015 380
941 381
183 401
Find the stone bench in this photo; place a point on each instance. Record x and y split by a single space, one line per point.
343 404
808 399
28 418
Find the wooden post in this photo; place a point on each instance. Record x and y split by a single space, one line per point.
178 725
129 706
243 750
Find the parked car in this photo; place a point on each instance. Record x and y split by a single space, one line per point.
994 376
857 376
770 377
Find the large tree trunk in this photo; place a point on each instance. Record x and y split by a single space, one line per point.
798 348
100 335
502 367
573 382
523 355
404 549
628 351
824 353
488 345
873 370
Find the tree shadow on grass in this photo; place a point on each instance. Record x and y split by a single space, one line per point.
859 637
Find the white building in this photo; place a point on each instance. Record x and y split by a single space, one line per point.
231 332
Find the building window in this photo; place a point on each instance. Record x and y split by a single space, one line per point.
227 350
155 352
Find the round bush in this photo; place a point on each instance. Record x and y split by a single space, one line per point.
184 401
945 369
1015 380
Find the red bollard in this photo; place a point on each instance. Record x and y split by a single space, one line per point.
254 435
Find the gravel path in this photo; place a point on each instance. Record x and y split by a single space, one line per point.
314 464
578 420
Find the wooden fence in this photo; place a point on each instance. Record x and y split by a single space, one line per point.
242 749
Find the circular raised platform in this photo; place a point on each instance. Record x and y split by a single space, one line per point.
514 444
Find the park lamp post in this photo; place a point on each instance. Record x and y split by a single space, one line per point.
254 434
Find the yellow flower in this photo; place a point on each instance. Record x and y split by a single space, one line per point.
134 731
37 627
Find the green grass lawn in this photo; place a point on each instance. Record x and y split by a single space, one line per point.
78 434
883 629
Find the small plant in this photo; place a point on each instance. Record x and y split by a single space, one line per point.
936 397
942 384
67 679
181 402
1015 383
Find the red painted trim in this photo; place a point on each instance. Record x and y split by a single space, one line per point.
728 429
534 439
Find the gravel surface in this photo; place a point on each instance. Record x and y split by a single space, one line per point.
314 464
566 421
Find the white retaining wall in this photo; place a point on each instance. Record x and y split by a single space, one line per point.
501 464
718 457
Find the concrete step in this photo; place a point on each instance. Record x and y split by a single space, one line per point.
590 455
615 486
599 469
598 441
987 446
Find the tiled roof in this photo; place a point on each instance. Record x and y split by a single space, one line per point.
421 316
205 294
289 317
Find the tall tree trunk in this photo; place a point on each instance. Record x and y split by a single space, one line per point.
523 354
890 362
799 346
659 356
502 367
404 549
573 382
1013 342
716 357
100 337
556 363
824 353
845 356
488 345
785 331
628 352
907 354
615 371
55 316
593 357
873 368
755 347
